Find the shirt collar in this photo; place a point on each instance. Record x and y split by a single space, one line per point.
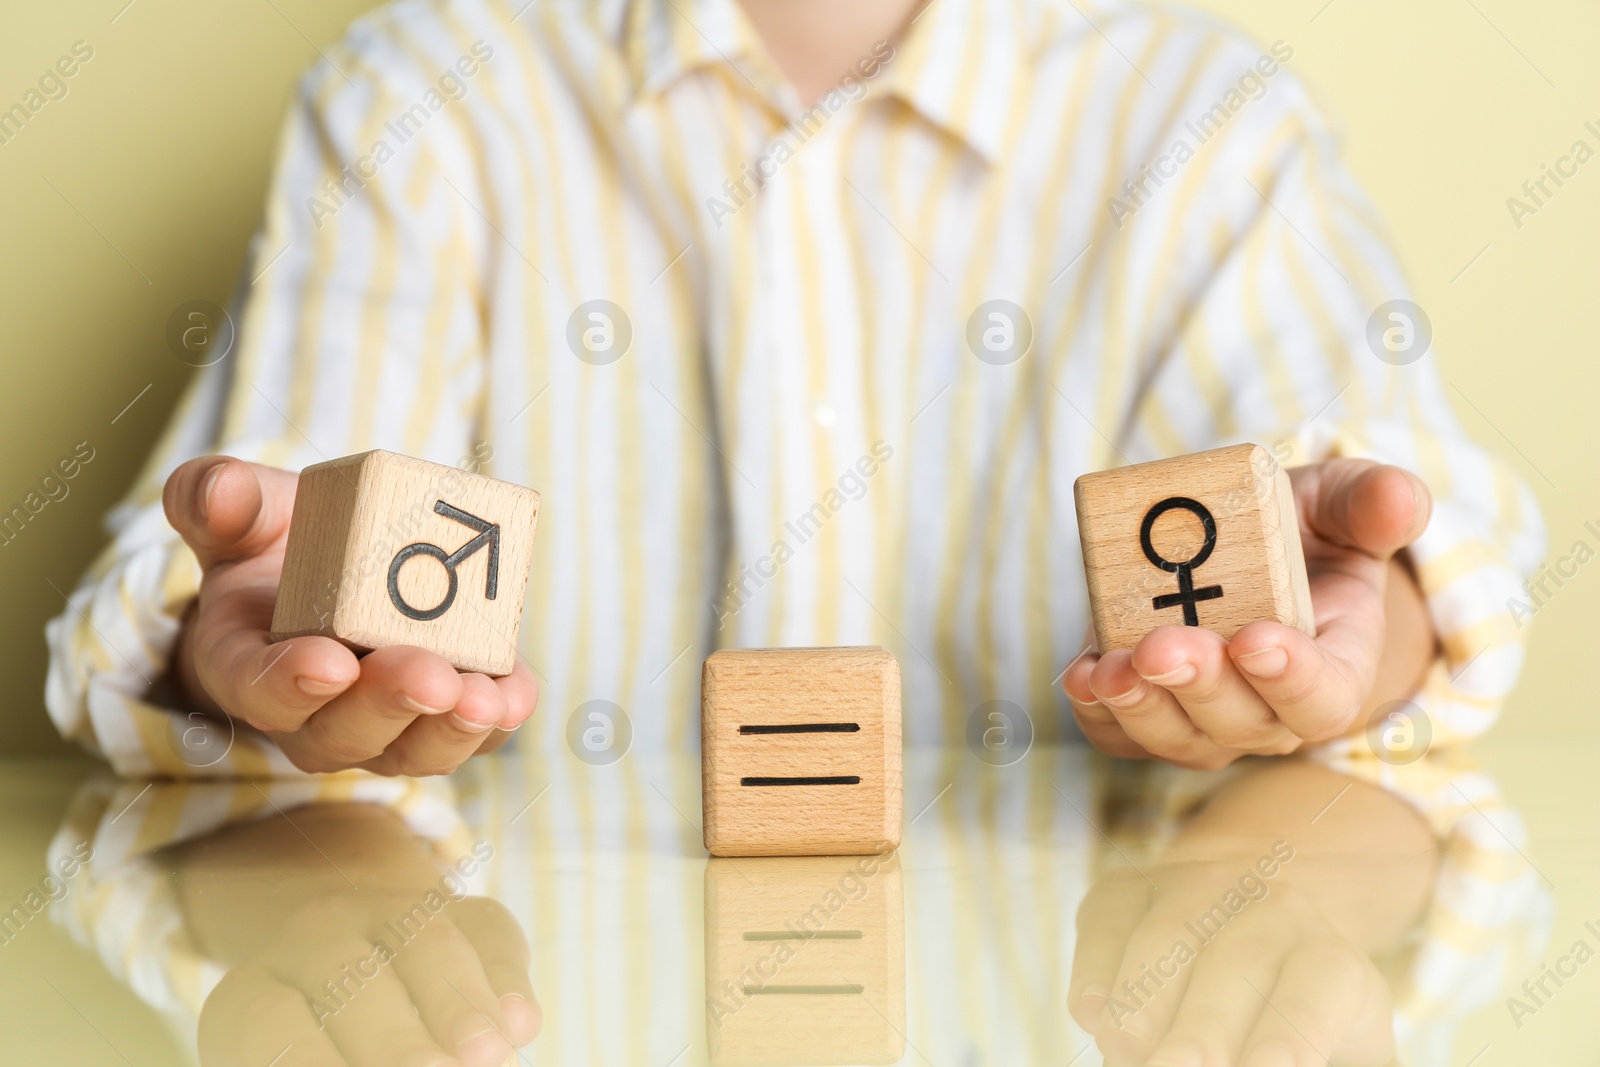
960 65
666 39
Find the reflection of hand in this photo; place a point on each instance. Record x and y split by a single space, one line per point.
1276 985
322 973
1186 695
350 981
398 710
1282 888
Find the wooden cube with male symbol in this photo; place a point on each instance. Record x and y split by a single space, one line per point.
385 549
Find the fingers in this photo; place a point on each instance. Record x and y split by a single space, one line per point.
1151 716
396 685
438 744
488 710
1359 504
521 691
271 686
235 513
1316 687
227 509
1187 696
1330 1004
1178 697
355 994
408 713
504 952
1109 914
1151 979
1192 665
251 1017
441 969
1096 721
1210 1021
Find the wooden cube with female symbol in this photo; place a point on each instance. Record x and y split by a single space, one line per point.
1210 539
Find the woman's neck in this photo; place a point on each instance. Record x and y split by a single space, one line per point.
817 42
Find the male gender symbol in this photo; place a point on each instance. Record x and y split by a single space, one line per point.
488 534
1187 595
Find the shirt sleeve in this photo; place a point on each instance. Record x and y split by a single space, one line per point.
358 327
1280 315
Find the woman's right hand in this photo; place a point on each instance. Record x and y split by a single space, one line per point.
396 710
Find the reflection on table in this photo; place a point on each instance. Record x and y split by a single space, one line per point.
354 920
805 961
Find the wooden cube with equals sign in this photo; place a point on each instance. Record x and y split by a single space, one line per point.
800 752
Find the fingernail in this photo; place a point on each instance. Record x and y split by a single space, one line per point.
1182 674
478 1042
1424 506
208 485
1182 1056
1094 998
1270 1056
1264 663
522 1018
469 726
510 729
1127 699
317 687
1075 659
417 707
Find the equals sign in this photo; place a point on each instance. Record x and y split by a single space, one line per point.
803 728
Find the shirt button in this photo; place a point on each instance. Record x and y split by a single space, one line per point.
825 415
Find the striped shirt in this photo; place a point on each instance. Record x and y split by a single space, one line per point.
804 375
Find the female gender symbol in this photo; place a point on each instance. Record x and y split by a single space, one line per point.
1187 595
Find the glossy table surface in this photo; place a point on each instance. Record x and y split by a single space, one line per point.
334 922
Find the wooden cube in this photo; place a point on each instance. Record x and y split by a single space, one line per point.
805 961
384 550
800 751
1211 539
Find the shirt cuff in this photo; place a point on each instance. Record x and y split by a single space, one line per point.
109 655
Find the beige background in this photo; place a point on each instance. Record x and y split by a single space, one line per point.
159 155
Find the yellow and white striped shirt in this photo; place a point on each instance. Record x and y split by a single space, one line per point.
796 419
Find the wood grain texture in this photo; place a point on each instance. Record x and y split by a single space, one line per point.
353 516
798 751
805 961
1255 570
